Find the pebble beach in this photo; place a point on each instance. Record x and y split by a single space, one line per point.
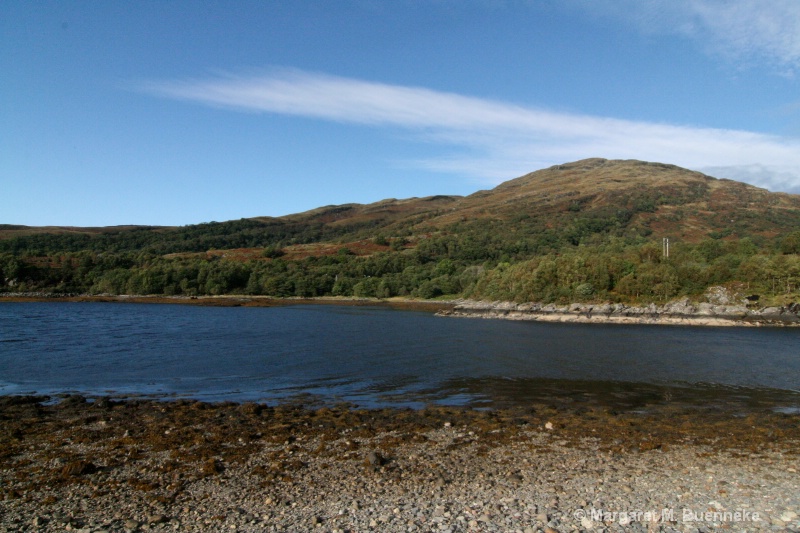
102 465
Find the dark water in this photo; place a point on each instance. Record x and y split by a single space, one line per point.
375 356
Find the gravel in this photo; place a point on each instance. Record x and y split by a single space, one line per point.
150 466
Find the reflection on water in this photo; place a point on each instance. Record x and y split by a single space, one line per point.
374 356
613 395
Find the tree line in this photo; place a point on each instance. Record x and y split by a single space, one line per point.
494 265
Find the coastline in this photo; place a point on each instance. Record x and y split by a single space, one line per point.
677 313
232 300
139 465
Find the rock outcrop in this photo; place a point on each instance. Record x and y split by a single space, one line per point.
677 312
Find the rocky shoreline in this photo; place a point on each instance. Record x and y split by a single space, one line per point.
102 465
680 312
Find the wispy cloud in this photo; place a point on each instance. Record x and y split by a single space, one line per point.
493 140
743 31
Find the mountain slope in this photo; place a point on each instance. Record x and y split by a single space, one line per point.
668 199
632 196
654 198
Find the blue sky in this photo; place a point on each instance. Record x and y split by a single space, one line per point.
172 113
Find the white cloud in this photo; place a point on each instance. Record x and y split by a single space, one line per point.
748 31
751 29
493 140
779 179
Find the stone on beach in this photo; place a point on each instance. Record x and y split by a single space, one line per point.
287 468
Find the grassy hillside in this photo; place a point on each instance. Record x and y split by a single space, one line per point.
588 230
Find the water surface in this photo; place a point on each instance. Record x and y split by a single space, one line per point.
375 356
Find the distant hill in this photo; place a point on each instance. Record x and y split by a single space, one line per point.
656 198
652 197
553 212
644 197
667 199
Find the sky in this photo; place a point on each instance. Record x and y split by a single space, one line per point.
182 112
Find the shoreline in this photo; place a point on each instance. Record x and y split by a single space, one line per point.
108 465
677 313
233 300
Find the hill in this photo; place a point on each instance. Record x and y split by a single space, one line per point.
664 198
595 225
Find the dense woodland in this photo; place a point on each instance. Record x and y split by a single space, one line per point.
486 260
581 249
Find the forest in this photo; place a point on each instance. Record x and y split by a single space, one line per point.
482 260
